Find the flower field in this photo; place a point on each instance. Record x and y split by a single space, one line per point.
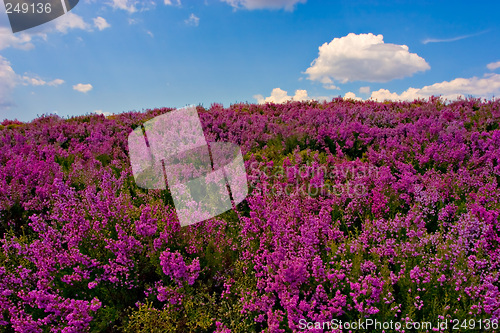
356 210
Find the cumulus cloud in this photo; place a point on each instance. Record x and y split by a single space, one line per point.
83 88
351 95
300 95
280 96
485 87
364 57
193 20
408 95
494 65
105 113
264 4
101 23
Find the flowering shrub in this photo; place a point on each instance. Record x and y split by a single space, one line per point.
357 210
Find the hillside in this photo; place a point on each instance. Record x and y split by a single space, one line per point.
356 210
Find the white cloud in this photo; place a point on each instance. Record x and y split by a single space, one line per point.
83 88
443 40
264 4
364 90
351 95
364 57
8 80
20 40
105 113
280 96
132 6
24 40
70 21
193 20
485 87
331 87
55 82
101 23
452 39
63 24
384 94
127 5
171 3
35 81
150 34
494 65
300 95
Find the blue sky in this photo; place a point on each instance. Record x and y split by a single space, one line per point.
119 55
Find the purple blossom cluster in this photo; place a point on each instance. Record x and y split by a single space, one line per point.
84 249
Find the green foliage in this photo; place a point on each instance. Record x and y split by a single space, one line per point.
105 159
65 162
199 311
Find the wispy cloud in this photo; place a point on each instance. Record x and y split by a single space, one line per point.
70 21
453 39
10 79
364 90
133 21
193 20
132 6
101 23
21 41
25 39
7 84
35 81
288 5
171 2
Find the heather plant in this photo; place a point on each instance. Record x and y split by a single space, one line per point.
356 210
